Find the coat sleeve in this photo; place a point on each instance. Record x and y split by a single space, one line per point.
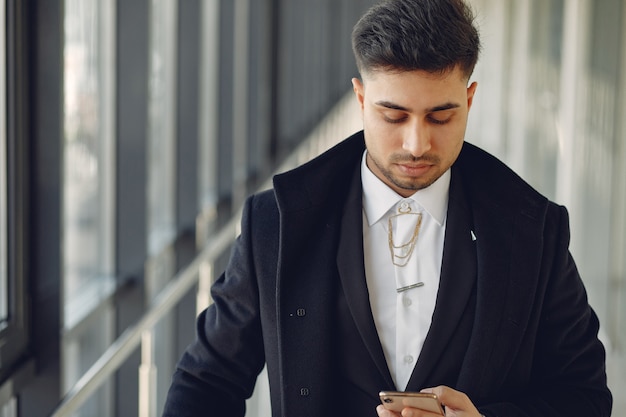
217 372
568 370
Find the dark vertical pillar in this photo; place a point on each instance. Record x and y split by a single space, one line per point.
188 125
133 64
45 28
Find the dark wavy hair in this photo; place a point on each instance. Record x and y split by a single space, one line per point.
405 35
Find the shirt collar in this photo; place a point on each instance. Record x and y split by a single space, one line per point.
378 198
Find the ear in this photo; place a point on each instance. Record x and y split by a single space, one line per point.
471 90
359 91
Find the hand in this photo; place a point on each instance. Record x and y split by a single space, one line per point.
456 403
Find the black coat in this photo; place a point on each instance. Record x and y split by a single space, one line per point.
512 327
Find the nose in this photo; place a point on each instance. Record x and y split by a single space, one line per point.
416 140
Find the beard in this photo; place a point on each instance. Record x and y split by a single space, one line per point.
411 184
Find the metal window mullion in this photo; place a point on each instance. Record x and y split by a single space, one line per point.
131 99
240 101
4 292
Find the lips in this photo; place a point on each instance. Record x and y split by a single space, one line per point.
414 170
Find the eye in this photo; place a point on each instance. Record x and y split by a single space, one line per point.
394 119
437 121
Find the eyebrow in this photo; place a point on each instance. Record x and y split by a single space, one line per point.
394 106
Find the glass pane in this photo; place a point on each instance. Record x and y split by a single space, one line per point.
598 142
88 156
541 135
4 288
209 98
88 205
161 179
162 113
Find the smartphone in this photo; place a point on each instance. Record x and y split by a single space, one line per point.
397 400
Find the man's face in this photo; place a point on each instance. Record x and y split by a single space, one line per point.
414 124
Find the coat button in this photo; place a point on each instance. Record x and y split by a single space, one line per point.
304 392
301 312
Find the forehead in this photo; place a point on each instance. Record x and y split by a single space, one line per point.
415 89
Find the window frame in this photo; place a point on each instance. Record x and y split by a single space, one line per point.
16 364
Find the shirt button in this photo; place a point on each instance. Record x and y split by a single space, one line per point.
408 359
407 302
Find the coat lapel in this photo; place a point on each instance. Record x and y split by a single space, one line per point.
350 264
457 281
507 270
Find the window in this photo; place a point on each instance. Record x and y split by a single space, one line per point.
161 197
208 146
16 366
161 128
88 155
88 192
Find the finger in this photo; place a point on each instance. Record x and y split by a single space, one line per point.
439 390
453 399
383 412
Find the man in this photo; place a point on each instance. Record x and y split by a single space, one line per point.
402 259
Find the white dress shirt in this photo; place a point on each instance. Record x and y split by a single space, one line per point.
402 319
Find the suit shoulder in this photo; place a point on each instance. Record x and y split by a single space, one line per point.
483 173
260 209
324 177
349 148
261 200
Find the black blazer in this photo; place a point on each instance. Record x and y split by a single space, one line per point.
512 327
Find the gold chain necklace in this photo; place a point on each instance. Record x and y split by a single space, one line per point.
406 249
